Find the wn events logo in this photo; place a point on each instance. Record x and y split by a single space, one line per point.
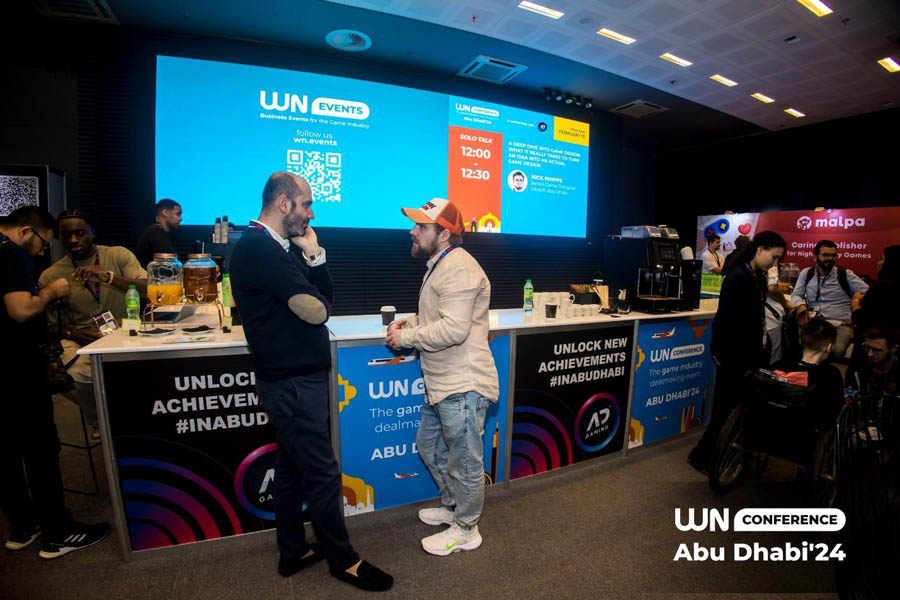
324 107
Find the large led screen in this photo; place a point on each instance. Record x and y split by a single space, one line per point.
366 149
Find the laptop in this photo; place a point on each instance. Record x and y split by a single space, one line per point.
174 316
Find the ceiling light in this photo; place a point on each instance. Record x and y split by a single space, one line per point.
548 95
588 103
723 80
817 7
674 59
558 96
762 97
578 101
541 10
616 36
569 99
890 64
794 112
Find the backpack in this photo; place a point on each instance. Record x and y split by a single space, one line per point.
842 280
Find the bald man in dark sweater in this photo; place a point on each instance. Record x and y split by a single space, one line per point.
283 288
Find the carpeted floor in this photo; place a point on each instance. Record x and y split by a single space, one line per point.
606 530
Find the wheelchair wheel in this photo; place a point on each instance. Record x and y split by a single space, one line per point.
821 472
728 462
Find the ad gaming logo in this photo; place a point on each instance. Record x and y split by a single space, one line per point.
253 482
804 223
597 422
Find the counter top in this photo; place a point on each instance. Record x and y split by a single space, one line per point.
360 327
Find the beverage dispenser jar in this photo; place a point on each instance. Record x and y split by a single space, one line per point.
164 283
200 274
788 275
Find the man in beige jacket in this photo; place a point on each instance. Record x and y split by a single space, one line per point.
451 333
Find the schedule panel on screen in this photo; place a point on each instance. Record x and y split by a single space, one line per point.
367 149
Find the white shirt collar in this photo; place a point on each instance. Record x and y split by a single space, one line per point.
286 244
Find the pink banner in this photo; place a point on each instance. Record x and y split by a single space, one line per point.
860 233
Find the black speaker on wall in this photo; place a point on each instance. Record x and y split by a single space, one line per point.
690 284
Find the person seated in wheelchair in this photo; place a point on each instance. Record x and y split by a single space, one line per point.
822 381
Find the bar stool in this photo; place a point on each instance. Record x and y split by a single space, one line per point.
88 446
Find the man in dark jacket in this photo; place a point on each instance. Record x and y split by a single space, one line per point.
284 291
31 492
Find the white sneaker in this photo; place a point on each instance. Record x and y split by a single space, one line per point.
452 540
436 516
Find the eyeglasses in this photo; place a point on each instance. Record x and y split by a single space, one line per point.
45 244
873 350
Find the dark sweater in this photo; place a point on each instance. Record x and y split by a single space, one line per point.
263 278
737 330
153 240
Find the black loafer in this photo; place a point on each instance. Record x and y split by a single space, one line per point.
368 577
290 566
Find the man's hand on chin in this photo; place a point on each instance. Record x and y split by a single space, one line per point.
308 242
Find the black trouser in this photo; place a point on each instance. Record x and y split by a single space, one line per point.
29 445
727 395
305 468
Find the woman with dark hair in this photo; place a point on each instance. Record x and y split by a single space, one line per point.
879 305
738 333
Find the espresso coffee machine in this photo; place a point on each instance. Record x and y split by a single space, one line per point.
649 269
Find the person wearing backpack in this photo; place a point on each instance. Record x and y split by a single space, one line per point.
826 291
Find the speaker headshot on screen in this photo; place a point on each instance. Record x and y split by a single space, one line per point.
517 181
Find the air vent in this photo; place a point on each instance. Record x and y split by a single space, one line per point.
490 69
349 40
95 11
638 109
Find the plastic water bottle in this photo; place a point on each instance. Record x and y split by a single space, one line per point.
132 303
528 293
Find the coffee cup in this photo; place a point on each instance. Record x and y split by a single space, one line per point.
387 315
550 310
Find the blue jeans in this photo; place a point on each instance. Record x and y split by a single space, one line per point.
450 442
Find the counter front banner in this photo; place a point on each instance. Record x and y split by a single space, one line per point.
672 377
194 449
571 397
380 398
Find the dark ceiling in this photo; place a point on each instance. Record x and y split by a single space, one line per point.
402 44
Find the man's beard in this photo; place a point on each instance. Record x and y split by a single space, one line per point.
294 227
881 363
824 266
420 251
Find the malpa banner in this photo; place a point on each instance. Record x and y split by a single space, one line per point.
861 234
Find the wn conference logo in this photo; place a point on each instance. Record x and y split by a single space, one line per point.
762 519
323 107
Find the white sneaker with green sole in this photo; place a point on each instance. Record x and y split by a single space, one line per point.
453 539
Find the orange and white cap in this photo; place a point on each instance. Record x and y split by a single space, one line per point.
440 211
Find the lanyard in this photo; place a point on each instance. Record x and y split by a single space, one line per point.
819 281
446 251
716 256
95 289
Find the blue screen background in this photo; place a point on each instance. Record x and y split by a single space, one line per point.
214 151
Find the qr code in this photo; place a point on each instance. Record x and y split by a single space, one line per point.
17 191
322 170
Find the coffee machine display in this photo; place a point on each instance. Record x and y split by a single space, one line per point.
649 268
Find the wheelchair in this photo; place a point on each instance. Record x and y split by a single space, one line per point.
868 459
781 419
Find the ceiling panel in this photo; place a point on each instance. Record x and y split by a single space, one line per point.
741 39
